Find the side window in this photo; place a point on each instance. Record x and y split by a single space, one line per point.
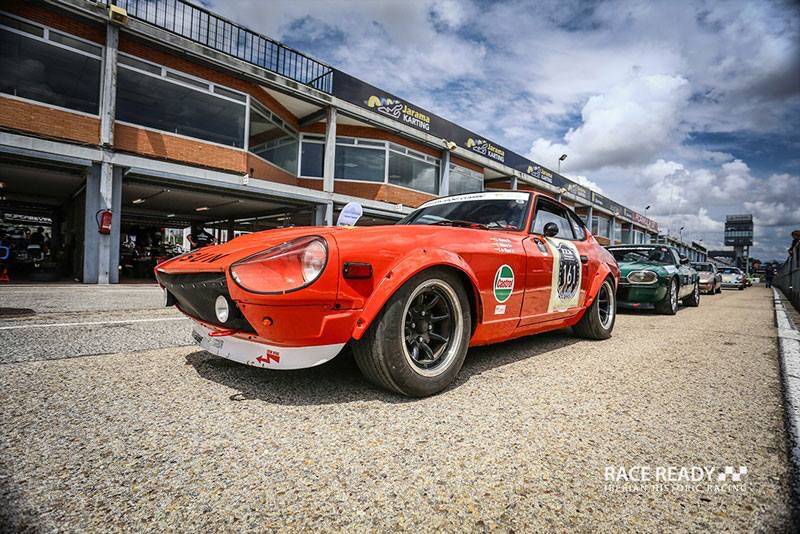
676 258
550 213
577 226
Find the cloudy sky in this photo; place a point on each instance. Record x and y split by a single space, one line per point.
690 107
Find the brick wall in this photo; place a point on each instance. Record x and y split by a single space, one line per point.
383 192
44 121
170 147
60 20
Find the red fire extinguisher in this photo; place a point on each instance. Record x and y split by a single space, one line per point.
104 221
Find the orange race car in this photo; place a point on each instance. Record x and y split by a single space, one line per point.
410 298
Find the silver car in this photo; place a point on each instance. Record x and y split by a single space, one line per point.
710 278
733 278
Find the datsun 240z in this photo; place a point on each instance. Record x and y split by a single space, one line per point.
410 298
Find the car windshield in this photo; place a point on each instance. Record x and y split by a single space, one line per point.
492 210
703 267
660 255
730 270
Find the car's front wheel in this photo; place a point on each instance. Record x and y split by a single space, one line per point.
598 319
669 304
418 342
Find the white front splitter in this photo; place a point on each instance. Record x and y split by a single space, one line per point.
261 354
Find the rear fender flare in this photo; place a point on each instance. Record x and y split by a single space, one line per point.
412 263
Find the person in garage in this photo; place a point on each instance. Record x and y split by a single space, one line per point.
199 238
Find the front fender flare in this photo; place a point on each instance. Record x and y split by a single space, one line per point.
409 265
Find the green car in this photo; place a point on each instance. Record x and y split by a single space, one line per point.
655 276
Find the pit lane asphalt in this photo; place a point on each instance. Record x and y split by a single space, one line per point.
175 438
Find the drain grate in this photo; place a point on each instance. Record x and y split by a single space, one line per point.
16 312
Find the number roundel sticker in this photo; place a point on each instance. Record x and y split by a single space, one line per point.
503 283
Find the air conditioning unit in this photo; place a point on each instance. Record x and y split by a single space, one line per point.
117 15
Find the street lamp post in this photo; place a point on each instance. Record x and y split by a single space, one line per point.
562 158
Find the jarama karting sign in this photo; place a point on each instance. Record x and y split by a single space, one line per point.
400 111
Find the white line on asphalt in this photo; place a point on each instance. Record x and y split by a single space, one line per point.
92 323
789 344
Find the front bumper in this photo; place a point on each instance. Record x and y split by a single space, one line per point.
243 350
640 294
706 286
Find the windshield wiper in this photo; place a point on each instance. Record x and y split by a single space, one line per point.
462 224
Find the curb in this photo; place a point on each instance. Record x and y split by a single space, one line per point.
789 348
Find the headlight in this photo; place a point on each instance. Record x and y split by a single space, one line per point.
221 309
642 277
283 268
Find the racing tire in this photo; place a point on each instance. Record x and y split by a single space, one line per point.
598 319
718 291
669 304
693 300
417 343
741 288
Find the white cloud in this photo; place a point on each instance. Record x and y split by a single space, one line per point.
630 124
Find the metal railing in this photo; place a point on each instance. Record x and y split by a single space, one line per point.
206 28
788 278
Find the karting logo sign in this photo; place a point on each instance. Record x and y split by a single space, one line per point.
503 283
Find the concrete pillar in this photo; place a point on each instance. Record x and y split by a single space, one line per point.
230 229
444 175
329 163
514 184
589 218
101 251
323 214
108 101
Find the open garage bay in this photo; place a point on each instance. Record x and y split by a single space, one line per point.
114 425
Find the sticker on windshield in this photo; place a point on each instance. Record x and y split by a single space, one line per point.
566 281
503 283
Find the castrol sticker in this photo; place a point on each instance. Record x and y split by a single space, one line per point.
503 283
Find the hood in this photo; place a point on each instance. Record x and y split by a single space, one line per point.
705 276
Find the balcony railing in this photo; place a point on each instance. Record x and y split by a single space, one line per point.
206 28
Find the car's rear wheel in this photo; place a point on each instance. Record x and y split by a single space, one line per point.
598 320
418 342
693 300
669 304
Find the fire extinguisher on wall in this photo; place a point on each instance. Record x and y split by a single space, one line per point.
103 221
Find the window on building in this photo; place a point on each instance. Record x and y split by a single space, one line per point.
413 170
166 102
49 67
365 162
312 155
464 180
618 232
601 226
271 138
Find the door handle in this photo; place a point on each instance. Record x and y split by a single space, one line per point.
584 259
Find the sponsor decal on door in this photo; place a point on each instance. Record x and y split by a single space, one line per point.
503 283
566 282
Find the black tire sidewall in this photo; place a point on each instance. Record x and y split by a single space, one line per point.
389 341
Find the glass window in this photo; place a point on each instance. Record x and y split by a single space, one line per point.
464 180
359 163
577 226
272 141
413 173
600 226
495 211
50 74
138 64
617 231
550 213
20 25
311 159
157 103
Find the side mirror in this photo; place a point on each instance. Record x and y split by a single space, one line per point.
550 229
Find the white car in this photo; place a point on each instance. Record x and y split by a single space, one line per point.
732 278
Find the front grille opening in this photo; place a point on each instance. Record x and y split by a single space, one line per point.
196 293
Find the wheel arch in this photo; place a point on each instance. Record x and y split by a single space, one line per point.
412 264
